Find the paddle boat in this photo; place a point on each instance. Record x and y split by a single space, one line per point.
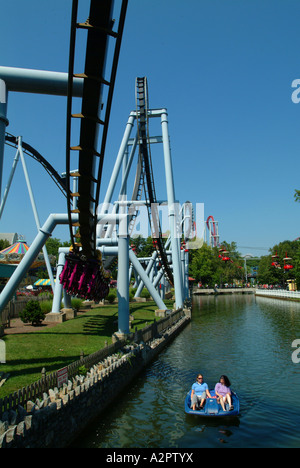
212 408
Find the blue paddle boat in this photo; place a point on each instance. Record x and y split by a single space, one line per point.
212 408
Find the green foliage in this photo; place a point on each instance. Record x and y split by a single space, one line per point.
297 195
111 297
268 274
32 313
209 269
82 370
46 306
4 244
53 244
143 247
76 303
46 295
145 293
132 292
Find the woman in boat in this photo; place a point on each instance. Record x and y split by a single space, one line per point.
199 392
223 392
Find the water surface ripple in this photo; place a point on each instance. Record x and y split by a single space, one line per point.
247 338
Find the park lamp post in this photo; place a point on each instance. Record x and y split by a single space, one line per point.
245 264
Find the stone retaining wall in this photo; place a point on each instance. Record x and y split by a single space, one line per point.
62 414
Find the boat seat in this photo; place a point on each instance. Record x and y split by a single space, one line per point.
212 406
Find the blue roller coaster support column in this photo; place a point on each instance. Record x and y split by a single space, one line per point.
39 81
182 255
123 285
28 259
34 209
186 276
123 244
118 163
172 215
148 270
3 125
123 268
56 305
144 277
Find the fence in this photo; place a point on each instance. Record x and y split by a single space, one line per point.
13 309
36 390
278 293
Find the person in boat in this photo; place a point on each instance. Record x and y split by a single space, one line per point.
223 392
199 393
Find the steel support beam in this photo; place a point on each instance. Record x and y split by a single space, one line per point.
39 81
3 125
172 215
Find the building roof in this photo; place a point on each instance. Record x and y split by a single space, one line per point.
11 237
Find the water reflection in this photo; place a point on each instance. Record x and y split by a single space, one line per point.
247 338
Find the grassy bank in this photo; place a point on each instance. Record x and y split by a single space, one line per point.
54 348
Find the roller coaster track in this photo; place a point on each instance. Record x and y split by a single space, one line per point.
213 230
83 273
90 161
12 140
142 106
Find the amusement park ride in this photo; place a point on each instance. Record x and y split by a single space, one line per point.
100 237
213 229
286 262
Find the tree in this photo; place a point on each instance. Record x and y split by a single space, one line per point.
296 270
143 247
33 313
268 274
297 195
3 244
52 246
207 266
203 266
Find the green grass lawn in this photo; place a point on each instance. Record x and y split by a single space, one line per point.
56 347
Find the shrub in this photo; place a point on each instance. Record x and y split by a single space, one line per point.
46 295
76 303
145 293
82 370
33 313
46 306
132 292
111 297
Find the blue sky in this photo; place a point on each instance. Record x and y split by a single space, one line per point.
222 68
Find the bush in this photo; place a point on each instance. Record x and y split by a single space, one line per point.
111 298
82 370
46 295
32 313
76 303
46 306
145 293
132 292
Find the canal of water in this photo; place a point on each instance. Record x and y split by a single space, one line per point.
247 338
